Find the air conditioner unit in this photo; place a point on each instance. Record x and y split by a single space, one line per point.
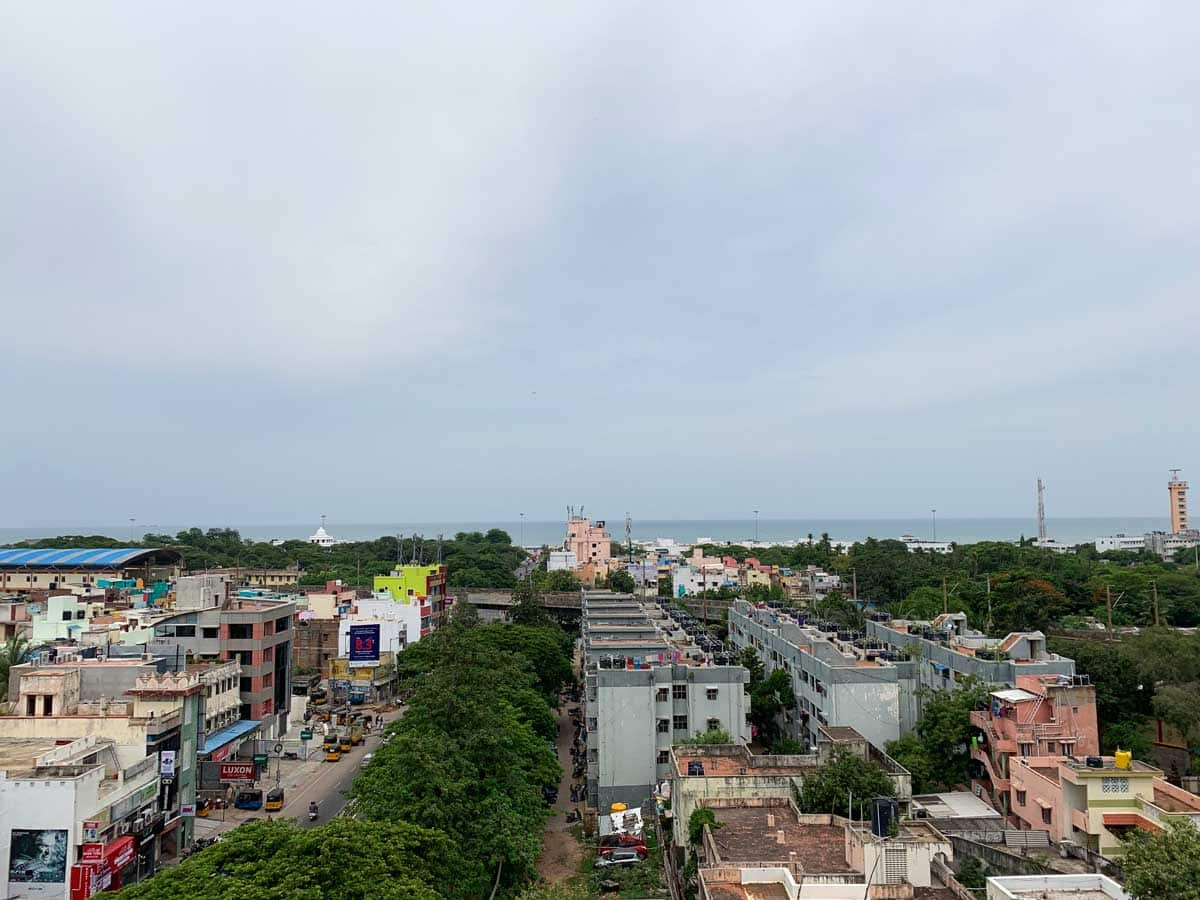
123 828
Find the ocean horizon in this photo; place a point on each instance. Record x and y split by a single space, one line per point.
531 533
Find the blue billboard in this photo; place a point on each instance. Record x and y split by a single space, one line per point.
364 645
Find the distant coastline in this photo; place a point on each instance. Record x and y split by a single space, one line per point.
1066 530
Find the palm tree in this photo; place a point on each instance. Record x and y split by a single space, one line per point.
14 653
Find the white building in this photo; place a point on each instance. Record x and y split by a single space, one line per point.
1060 887
1130 543
75 805
562 560
913 543
399 623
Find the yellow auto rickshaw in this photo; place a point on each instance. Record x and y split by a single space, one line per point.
345 743
332 753
274 800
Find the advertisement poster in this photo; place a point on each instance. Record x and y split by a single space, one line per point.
166 763
38 861
364 645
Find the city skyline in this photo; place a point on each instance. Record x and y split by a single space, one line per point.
832 260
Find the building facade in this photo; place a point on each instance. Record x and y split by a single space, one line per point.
590 542
421 586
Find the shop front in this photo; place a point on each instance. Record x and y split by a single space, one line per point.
104 867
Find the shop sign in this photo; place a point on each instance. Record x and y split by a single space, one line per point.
306 734
121 853
187 809
219 754
92 853
166 763
238 771
260 759
91 830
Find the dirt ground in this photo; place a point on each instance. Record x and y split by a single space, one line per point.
561 852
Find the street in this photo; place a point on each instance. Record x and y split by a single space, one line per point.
304 782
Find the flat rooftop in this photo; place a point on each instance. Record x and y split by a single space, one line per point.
1109 767
733 766
772 834
955 805
19 753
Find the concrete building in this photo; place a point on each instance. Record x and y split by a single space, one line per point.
131 702
647 686
1124 543
423 586
1058 887
1177 496
30 570
211 624
704 775
562 561
89 804
287 577
839 677
946 650
1044 718
15 620
590 542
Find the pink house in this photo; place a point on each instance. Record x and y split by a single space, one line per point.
589 542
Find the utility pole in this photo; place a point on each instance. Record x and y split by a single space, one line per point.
1154 585
1108 608
756 526
933 513
854 575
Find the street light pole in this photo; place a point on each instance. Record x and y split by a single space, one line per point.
933 513
522 529
756 526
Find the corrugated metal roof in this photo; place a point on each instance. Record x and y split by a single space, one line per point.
116 556
1014 695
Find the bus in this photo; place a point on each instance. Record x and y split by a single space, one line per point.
248 798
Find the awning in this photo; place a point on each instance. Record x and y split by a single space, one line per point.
1130 819
1042 803
1014 695
219 739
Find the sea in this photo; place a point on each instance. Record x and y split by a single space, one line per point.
684 531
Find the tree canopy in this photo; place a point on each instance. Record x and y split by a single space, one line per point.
1164 864
937 753
844 779
278 860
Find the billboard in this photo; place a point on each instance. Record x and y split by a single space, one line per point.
166 763
364 645
37 859
238 771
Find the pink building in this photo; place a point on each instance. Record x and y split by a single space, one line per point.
589 542
1041 720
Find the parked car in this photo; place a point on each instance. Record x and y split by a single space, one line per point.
619 857
622 840
639 850
366 760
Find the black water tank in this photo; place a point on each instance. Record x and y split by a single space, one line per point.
884 811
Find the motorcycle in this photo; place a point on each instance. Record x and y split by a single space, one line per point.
312 812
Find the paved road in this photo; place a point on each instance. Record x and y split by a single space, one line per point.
331 783
528 565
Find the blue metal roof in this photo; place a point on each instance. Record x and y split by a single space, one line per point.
219 739
101 558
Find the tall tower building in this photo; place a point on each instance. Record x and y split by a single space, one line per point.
1177 490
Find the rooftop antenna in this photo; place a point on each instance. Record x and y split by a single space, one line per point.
399 545
1041 494
629 535
1175 474
439 549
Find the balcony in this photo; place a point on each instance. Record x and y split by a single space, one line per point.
1079 819
999 783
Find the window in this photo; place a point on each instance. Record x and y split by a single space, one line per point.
680 723
679 691
244 685
1046 816
1051 748
711 693
664 757
663 695
66 615
1114 785
185 631
210 633
281 624
714 724
1020 798
1026 749
240 632
663 726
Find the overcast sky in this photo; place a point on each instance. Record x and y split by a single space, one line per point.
453 263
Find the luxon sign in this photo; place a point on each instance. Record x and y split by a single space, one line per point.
238 771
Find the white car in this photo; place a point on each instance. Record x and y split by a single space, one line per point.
366 760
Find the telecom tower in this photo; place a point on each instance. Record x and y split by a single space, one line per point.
1041 512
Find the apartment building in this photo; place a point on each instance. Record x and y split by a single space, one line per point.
421 586
590 542
14 617
211 624
946 650
840 677
130 702
648 685
24 570
75 812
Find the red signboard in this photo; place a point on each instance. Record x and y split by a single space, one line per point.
93 852
120 853
219 754
237 771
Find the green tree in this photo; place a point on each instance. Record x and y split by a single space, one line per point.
621 581
748 659
1129 734
1164 864
561 581
700 817
831 788
13 653
972 874
346 859
786 746
938 754
712 736
1025 603
768 700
